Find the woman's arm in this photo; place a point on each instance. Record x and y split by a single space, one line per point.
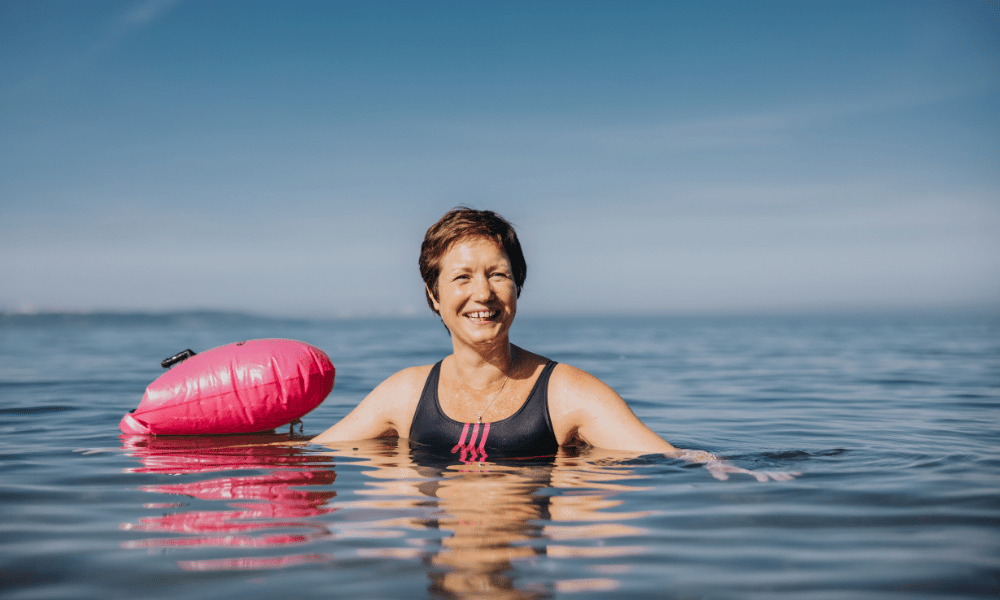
386 411
584 407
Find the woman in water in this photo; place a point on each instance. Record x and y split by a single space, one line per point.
490 397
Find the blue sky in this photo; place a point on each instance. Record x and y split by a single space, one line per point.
656 157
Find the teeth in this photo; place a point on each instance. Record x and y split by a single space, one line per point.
482 315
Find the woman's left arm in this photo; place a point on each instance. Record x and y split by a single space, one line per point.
584 407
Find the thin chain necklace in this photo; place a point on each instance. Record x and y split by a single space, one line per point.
513 358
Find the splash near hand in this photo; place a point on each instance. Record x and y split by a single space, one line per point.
721 469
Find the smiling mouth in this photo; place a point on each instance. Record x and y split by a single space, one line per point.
482 315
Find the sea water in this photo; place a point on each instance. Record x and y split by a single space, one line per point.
890 423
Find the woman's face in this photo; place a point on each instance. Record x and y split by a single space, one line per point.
476 295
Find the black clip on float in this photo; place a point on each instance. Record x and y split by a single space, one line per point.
166 363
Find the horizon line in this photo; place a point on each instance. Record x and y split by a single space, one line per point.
873 311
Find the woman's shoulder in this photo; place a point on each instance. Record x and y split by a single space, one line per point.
529 365
564 377
404 383
573 379
575 391
394 400
385 411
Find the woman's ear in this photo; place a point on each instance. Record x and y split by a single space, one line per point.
430 294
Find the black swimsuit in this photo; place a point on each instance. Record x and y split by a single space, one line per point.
528 432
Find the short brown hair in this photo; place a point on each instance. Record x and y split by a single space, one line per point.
461 223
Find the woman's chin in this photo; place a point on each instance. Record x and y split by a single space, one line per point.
480 332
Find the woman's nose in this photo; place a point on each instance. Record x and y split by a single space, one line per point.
482 290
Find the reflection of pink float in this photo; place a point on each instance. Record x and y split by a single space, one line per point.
259 508
177 455
269 502
244 387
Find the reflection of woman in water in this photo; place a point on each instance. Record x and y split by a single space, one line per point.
494 514
489 396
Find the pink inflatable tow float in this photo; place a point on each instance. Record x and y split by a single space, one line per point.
244 387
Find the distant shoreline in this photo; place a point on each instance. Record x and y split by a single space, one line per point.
107 317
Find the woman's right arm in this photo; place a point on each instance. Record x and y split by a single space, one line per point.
386 411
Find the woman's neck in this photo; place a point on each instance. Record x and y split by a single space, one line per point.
480 368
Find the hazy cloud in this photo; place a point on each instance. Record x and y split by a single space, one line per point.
143 13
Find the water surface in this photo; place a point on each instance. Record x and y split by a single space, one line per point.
892 424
